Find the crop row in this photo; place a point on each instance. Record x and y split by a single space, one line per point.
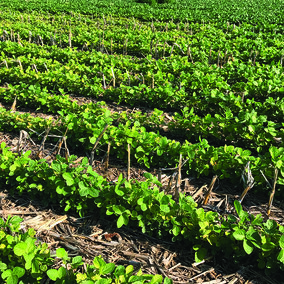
78 188
173 83
148 148
257 130
252 11
210 42
247 128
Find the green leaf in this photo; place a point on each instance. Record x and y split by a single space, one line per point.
119 190
108 268
28 258
19 271
257 220
30 245
68 178
118 209
122 220
35 266
139 149
13 168
120 270
279 164
99 263
61 253
103 281
160 152
176 230
280 256
148 176
273 152
129 269
254 237
168 281
3 266
244 216
60 189
200 213
13 279
157 279
93 192
238 207
248 246
93 140
61 272
136 279
56 166
200 254
270 224
6 273
128 185
10 239
281 242
20 248
251 128
77 260
239 234
33 185
88 282
84 190
144 207
268 246
196 247
52 274
165 199
165 208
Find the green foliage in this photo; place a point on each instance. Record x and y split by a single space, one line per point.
25 260
253 11
21 259
143 205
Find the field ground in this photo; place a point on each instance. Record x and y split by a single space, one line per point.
192 93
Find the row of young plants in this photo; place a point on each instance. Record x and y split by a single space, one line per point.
207 42
149 149
176 73
26 260
199 86
77 188
207 49
121 36
252 11
247 128
244 42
